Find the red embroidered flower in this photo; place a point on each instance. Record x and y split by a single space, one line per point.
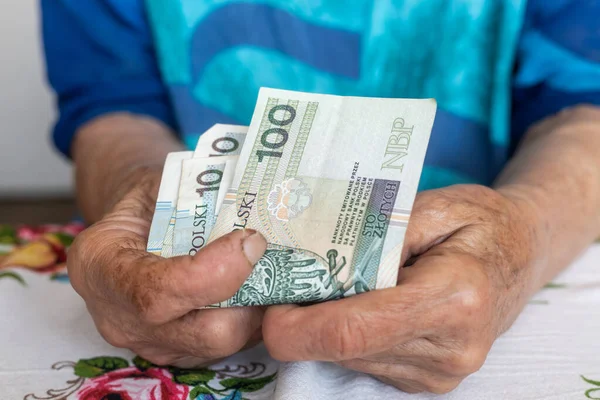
30 233
133 384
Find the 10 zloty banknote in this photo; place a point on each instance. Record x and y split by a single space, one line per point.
166 203
203 186
220 140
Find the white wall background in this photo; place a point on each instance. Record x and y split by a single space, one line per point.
29 165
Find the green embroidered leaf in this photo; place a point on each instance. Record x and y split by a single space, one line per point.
193 377
94 367
247 385
142 364
591 382
553 285
8 235
65 239
588 394
197 391
13 275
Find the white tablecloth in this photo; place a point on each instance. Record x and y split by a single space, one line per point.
49 349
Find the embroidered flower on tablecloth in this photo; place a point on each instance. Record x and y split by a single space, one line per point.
41 249
27 233
114 378
132 384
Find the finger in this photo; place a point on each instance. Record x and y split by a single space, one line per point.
202 335
159 290
164 356
209 335
90 258
350 328
427 302
405 375
123 230
452 359
421 352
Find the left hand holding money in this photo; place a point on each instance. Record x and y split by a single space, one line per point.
473 250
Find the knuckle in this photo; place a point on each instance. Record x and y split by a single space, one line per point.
470 292
231 344
465 363
470 300
222 339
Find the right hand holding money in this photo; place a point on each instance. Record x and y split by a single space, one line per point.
149 304
472 251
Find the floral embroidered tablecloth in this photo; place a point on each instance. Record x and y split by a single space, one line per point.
49 348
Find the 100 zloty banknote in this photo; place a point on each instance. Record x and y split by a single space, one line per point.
330 182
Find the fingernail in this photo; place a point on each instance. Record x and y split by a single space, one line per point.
254 246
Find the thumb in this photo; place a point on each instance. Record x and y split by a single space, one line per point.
223 265
179 285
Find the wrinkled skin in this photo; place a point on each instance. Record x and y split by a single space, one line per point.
150 304
470 248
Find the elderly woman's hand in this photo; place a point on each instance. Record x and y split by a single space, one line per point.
471 251
152 305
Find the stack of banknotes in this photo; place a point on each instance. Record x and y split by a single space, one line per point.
329 181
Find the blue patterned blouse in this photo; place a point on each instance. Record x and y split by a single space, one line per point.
494 66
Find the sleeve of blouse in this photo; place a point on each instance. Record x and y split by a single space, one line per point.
100 59
558 60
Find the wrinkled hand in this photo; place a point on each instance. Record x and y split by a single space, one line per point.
150 304
471 249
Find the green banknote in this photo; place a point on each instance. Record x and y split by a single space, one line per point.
330 182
